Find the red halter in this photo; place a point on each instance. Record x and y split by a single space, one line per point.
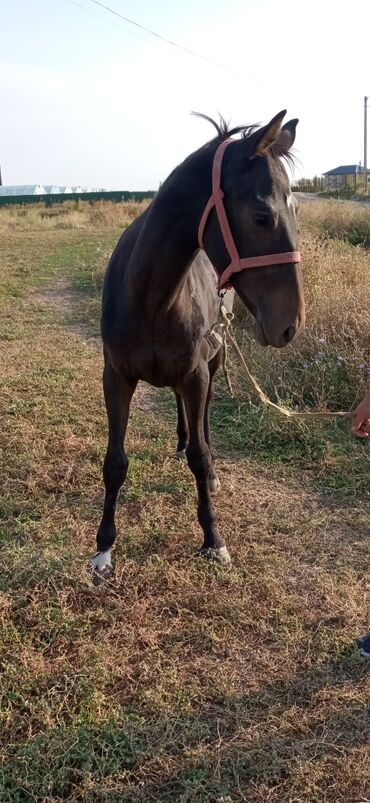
237 264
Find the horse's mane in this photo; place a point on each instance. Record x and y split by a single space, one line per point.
223 130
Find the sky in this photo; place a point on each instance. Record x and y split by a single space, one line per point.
87 98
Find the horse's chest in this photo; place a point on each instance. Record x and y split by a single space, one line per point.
176 354
161 350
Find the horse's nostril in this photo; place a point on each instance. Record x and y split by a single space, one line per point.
288 335
272 337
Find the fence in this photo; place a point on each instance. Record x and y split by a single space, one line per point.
58 198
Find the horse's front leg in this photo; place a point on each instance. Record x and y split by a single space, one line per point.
213 365
194 391
182 429
118 394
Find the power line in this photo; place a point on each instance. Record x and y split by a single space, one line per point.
167 41
110 22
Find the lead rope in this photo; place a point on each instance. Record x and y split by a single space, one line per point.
215 340
226 335
224 359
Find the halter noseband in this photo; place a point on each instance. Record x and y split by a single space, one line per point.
216 200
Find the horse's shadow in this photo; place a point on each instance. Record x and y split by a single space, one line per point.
245 747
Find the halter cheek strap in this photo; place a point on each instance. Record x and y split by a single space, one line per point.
237 264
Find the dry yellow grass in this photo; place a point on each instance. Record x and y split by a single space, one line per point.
343 220
328 365
69 215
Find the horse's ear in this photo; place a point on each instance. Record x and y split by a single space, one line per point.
267 135
285 138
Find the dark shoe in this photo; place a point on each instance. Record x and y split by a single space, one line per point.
364 645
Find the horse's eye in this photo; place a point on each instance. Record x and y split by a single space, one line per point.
263 220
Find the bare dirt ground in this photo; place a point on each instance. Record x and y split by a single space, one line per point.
305 197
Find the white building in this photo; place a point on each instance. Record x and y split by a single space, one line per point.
53 189
23 189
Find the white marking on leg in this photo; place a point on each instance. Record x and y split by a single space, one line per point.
101 560
221 554
224 554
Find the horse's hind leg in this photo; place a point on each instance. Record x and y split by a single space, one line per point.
118 394
182 429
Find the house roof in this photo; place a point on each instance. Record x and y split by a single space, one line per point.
346 170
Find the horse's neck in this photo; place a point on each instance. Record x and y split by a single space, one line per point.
168 240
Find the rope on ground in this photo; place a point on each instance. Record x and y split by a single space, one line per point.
278 408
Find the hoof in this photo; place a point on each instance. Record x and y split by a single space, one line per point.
214 487
101 565
364 646
220 555
181 455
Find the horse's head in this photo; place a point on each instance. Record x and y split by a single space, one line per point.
261 215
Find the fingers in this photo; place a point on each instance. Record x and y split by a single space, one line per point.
360 426
359 433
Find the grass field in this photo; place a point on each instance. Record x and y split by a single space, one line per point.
180 681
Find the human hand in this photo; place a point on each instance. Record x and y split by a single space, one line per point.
361 418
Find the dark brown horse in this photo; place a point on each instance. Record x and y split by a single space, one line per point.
160 297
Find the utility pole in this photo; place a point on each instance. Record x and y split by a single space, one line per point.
365 143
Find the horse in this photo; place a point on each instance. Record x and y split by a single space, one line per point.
232 196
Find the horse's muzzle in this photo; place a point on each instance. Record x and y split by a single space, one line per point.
267 335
